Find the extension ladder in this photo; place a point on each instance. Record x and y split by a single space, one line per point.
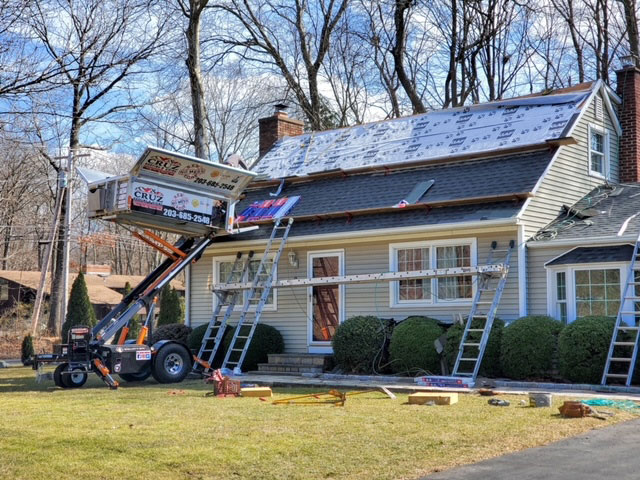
623 349
227 300
477 329
262 280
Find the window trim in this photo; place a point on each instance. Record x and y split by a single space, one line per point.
433 302
268 307
570 284
605 153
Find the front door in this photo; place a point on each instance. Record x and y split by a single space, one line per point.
325 301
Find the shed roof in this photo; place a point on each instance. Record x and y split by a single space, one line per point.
610 253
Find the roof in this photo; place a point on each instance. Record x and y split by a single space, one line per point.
608 211
474 130
99 288
611 253
485 212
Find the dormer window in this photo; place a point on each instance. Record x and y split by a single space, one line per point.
598 157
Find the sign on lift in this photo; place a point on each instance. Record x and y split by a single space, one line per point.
169 191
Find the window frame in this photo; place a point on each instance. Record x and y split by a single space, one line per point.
605 151
394 287
268 307
570 285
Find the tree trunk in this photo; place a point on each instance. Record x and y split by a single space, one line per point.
200 133
400 18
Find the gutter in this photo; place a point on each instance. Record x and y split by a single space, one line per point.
610 239
370 235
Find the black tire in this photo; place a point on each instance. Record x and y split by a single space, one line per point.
171 364
75 379
57 375
136 377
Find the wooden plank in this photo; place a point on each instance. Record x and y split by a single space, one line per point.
440 398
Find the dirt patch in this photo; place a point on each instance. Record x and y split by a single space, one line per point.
10 345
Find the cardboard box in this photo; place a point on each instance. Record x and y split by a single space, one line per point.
439 398
256 392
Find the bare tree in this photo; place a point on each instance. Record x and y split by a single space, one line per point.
98 48
631 20
284 36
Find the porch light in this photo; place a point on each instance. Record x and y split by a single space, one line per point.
293 259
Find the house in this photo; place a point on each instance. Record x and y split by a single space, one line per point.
524 169
105 291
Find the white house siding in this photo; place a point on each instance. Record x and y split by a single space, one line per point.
363 255
568 179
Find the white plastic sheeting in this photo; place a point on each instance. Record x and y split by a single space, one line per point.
438 134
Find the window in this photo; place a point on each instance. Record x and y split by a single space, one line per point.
224 269
561 296
582 290
412 257
597 292
598 158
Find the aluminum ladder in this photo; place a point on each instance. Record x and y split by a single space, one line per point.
476 333
623 349
227 300
262 280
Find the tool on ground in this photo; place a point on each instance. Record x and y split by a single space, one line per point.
623 349
538 400
332 397
223 386
498 402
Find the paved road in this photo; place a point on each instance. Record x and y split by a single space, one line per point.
607 453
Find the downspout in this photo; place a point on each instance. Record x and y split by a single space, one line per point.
522 272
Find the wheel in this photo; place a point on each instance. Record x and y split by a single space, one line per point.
171 364
75 379
57 375
136 377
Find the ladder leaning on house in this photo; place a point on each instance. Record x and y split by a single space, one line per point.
226 300
489 288
262 280
623 349
246 327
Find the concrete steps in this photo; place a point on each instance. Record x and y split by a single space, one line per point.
295 363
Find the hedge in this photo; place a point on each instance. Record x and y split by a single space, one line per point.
582 348
412 349
358 342
529 347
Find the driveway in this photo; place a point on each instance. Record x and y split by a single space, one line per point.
610 452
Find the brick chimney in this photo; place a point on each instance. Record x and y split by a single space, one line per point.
277 126
628 87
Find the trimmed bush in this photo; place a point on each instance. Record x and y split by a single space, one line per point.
582 348
195 337
79 311
266 339
411 349
27 351
358 342
529 345
490 366
171 307
173 331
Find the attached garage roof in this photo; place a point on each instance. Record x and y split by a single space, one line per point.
612 253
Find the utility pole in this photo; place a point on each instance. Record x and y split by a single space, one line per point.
67 236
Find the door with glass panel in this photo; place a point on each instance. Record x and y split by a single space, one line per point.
325 301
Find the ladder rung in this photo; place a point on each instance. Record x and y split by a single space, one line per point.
635 298
620 359
617 375
240 337
470 344
622 327
237 349
624 344
475 330
630 313
464 374
469 359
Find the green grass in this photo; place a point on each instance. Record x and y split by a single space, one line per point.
143 432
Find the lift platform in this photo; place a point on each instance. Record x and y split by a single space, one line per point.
170 192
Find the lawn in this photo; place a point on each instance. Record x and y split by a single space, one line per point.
144 431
